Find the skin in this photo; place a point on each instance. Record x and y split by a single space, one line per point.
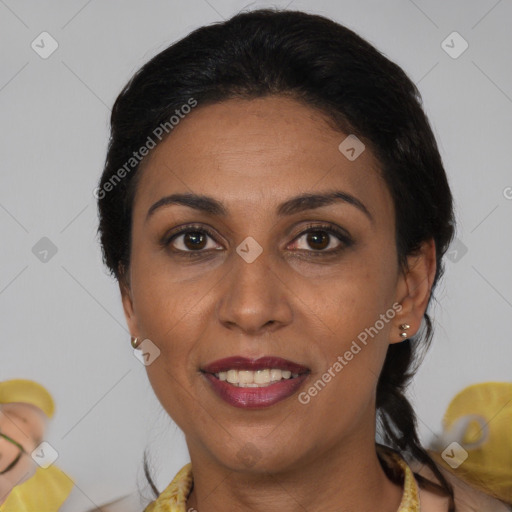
252 155
26 424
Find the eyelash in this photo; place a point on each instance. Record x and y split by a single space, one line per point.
343 237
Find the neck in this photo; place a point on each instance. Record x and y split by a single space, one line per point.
346 477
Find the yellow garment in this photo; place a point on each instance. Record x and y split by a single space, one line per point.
479 418
29 392
174 497
46 491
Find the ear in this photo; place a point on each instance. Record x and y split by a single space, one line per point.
413 290
128 307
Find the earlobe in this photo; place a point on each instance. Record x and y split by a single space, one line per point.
413 291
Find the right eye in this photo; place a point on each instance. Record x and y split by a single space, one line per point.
191 239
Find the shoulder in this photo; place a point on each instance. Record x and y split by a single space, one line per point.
467 498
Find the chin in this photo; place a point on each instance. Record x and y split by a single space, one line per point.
254 459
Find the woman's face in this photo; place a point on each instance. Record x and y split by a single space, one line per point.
308 298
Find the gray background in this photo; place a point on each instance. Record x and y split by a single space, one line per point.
62 321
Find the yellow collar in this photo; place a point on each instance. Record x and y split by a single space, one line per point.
45 491
174 497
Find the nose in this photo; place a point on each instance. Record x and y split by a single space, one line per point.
254 297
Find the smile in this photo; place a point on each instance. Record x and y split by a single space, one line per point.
255 379
254 384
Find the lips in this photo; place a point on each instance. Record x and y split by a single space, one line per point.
255 397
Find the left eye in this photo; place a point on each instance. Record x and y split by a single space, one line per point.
320 240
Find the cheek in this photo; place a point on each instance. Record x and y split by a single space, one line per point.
174 316
343 387
163 303
36 426
358 308
354 296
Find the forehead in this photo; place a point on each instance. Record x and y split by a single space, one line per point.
20 413
21 420
255 152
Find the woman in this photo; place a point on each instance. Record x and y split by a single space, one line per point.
275 210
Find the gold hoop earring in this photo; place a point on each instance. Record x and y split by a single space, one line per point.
404 327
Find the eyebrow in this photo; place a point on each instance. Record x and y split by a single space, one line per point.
292 206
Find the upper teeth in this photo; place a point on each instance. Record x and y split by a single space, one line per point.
253 379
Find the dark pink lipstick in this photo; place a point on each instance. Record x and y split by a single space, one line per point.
242 363
255 397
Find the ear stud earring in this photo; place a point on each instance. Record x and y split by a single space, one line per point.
135 342
404 327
